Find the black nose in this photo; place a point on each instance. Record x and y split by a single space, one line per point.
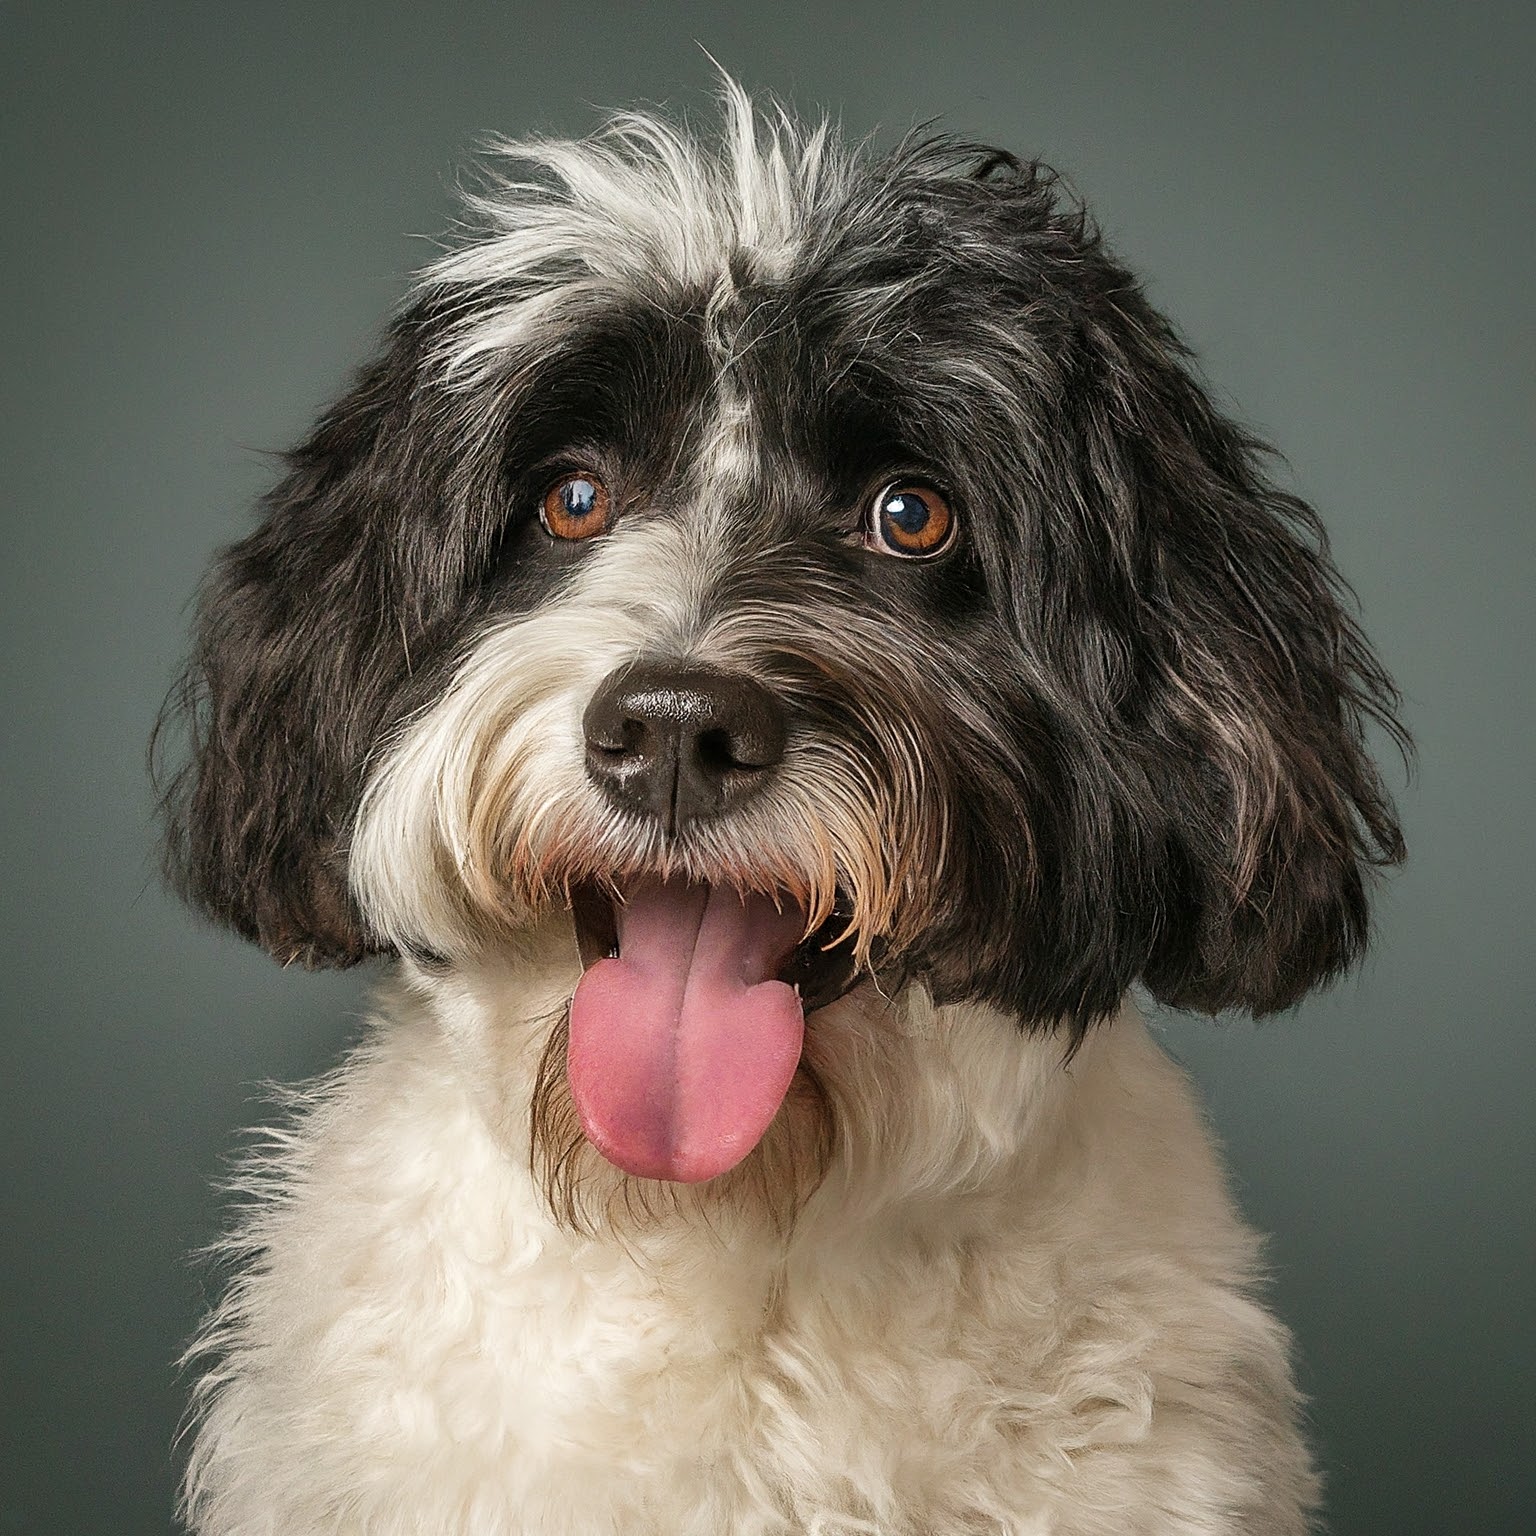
681 742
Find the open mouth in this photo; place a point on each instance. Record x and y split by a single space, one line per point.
689 1020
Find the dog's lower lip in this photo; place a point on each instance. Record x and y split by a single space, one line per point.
821 970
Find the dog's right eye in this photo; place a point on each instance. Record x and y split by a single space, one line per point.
576 506
910 519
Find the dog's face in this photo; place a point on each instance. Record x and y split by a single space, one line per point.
802 565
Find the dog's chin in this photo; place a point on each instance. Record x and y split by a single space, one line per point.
687 1028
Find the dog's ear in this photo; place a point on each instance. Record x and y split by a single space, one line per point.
1245 689
303 641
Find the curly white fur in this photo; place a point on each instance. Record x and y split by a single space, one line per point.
1021 1302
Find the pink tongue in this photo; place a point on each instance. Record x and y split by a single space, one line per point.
682 1048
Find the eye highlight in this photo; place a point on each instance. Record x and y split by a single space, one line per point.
909 519
576 506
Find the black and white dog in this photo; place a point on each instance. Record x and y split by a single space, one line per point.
775 647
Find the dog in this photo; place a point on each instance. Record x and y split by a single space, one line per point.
777 649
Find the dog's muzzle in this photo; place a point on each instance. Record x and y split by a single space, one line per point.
687 1026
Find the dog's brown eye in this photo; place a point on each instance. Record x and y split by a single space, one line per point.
576 506
910 520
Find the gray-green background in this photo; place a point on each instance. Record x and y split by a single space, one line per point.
204 211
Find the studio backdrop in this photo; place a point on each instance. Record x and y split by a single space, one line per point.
207 211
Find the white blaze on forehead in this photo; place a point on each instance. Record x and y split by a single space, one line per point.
725 460
642 210
724 467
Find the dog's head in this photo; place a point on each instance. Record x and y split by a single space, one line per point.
804 564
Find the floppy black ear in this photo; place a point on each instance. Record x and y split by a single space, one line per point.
1263 812
303 643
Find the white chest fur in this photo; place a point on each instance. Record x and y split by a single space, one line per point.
1018 1303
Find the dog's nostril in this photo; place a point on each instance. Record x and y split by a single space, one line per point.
681 742
616 732
624 742
717 754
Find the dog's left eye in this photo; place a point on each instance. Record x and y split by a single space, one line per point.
911 520
576 506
